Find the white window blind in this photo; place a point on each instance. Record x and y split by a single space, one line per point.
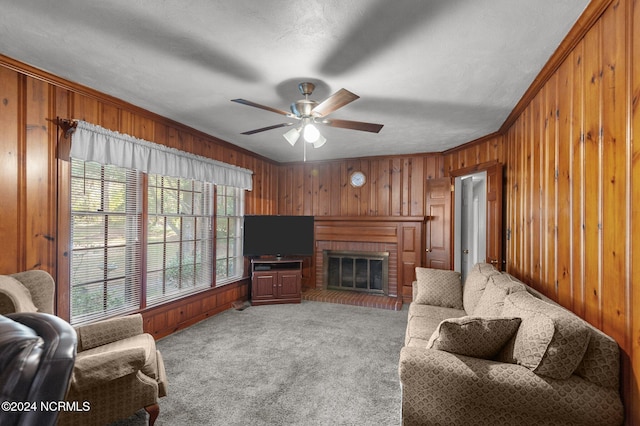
229 219
179 237
106 218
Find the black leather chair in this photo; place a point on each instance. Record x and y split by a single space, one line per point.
37 353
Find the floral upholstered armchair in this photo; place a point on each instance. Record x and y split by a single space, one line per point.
117 371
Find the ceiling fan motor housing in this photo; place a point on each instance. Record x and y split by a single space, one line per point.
306 88
303 107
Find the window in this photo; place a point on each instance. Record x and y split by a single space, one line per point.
106 220
229 212
162 246
179 237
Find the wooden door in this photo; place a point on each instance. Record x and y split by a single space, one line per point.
438 224
494 216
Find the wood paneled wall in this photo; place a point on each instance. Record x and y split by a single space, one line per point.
482 151
395 186
573 180
35 181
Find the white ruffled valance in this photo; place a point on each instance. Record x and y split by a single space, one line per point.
95 143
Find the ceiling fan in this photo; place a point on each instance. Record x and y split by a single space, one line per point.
309 113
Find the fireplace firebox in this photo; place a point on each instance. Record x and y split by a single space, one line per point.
356 271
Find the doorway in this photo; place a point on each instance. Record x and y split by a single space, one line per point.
470 221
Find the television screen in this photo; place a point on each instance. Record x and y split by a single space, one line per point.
278 236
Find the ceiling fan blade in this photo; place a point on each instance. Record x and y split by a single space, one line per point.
333 102
354 125
268 108
263 129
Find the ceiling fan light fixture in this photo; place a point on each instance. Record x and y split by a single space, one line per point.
311 133
292 136
321 141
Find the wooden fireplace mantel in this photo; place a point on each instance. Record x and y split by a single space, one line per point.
370 218
382 229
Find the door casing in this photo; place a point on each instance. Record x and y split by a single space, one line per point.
494 186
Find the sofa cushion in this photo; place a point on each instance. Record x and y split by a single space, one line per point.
601 362
16 297
492 299
479 337
438 312
423 320
551 341
474 285
439 287
422 328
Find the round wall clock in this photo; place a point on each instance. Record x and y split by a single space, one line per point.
357 179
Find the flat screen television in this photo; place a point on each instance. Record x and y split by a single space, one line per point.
278 236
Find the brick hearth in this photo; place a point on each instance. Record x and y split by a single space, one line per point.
353 298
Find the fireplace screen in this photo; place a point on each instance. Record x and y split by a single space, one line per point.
357 271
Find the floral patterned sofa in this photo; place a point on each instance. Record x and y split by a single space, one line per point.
495 351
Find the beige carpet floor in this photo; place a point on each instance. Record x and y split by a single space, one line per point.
312 363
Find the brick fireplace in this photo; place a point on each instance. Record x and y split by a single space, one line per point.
366 272
358 247
400 238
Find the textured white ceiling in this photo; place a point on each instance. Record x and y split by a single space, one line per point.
436 73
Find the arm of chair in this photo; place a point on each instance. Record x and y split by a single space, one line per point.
97 369
108 331
41 287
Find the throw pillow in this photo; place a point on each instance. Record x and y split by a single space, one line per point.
18 295
439 287
474 285
479 337
492 299
551 341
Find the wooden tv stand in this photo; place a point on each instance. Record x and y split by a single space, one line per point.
276 280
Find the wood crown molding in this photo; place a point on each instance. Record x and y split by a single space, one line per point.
585 22
494 135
